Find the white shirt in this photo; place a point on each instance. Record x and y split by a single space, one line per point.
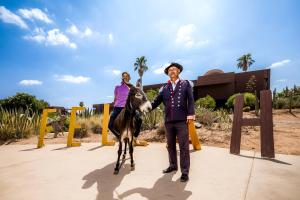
174 83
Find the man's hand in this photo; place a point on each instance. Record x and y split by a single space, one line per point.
190 119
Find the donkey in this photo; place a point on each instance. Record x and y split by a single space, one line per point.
125 123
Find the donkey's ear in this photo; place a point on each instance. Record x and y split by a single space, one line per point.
138 83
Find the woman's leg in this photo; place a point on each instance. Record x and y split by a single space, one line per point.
112 118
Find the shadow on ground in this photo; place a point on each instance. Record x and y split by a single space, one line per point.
107 183
164 188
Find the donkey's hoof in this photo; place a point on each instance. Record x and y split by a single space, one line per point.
116 171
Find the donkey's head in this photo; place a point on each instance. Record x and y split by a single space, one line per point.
137 100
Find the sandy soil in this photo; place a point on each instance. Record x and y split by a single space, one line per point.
286 134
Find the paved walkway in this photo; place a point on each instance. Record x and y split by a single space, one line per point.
55 172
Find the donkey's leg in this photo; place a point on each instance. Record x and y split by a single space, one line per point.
124 154
131 154
119 155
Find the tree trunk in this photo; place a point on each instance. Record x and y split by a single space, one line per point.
245 67
141 86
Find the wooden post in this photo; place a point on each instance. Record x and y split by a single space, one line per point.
265 121
235 142
266 125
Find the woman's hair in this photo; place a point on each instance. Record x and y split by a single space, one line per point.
125 73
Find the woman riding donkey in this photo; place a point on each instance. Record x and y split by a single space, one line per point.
120 97
127 123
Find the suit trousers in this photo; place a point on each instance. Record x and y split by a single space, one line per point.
179 129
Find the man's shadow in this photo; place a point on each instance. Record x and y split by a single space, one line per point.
164 188
106 181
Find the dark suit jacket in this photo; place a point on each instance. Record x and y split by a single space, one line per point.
178 103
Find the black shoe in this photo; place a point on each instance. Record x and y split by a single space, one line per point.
184 178
169 169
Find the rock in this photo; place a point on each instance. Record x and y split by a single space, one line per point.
197 125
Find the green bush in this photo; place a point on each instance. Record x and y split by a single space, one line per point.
206 102
249 100
296 102
24 101
283 102
280 103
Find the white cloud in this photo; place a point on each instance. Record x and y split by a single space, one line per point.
88 32
8 17
281 80
110 37
72 79
30 82
279 64
73 30
114 71
186 36
53 37
38 36
35 13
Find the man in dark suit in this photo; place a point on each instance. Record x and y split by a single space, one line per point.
177 96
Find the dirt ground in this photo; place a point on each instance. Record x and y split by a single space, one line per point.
286 134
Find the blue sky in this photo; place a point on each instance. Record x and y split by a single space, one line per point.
70 51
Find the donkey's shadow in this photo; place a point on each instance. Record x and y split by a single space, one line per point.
106 181
164 188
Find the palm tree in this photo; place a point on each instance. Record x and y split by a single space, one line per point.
140 65
245 61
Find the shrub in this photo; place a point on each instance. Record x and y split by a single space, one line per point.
249 100
222 116
281 103
208 117
91 124
83 130
206 102
161 130
151 119
95 123
18 123
205 116
296 102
